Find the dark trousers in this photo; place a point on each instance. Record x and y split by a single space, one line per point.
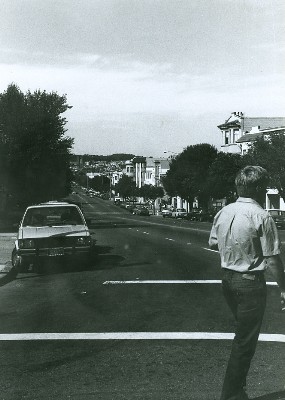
246 297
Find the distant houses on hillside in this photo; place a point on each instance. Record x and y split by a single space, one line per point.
238 132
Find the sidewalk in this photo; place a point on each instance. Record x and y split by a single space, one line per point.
6 246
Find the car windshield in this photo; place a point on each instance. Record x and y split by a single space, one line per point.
50 216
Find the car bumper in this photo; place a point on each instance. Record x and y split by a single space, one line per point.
57 252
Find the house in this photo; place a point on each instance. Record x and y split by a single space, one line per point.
238 125
149 170
115 177
245 142
238 134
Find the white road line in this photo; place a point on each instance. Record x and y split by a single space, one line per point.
159 282
205 248
135 336
171 226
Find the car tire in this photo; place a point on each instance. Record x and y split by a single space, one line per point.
18 263
37 267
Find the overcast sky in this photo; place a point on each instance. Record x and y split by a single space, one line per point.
147 76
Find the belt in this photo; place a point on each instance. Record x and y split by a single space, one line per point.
252 276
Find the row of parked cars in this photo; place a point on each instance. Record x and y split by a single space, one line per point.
200 215
93 193
194 215
134 208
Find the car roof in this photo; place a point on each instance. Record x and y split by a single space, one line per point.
53 204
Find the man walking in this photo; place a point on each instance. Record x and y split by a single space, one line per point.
248 242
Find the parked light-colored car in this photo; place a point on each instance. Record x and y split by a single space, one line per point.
55 230
166 213
179 213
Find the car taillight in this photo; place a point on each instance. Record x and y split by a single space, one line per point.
26 243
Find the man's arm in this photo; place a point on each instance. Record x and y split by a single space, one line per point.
276 268
213 242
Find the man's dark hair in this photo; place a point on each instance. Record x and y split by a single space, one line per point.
251 180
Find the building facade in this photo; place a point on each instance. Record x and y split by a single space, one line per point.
149 170
238 125
240 132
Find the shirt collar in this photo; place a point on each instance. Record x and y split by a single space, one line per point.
247 200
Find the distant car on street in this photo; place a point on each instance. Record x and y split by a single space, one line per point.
141 210
166 213
179 213
200 215
278 216
130 207
52 230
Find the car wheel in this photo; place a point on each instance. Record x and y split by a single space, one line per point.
37 267
18 263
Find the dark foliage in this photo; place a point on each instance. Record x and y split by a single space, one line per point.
268 152
188 173
222 173
126 187
34 151
150 192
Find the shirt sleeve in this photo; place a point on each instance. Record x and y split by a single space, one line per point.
269 239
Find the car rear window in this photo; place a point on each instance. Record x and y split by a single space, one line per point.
49 216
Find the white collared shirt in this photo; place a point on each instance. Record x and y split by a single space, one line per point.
245 233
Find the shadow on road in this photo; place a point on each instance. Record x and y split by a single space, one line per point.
100 260
272 396
8 277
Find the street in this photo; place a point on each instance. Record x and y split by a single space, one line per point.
146 320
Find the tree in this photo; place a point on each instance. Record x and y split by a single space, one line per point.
100 183
126 187
188 173
222 173
269 153
35 153
150 192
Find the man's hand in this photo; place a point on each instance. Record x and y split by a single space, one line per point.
275 266
213 246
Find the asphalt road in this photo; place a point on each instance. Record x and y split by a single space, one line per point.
146 320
